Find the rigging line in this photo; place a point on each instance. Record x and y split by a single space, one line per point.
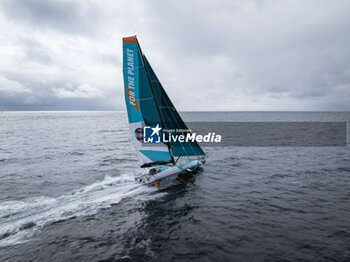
144 99
178 157
168 107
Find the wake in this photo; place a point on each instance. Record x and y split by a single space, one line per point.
19 220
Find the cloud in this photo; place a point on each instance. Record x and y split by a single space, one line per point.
277 48
239 55
34 51
66 16
10 87
83 91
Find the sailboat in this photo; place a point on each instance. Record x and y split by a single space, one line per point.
151 115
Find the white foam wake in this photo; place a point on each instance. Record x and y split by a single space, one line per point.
20 219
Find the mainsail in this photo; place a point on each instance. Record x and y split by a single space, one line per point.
148 105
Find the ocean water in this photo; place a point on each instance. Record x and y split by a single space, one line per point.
67 193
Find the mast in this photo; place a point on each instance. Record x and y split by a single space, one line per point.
154 97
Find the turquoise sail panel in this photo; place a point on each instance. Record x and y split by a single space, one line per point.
147 103
131 70
139 99
156 155
140 104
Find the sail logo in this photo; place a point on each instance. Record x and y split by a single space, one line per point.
132 99
151 134
130 87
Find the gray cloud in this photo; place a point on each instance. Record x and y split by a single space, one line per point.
239 55
34 51
76 17
26 93
276 47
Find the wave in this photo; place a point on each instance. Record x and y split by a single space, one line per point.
21 219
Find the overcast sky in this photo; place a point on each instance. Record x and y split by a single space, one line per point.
209 55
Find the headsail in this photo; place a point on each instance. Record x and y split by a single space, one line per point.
172 119
148 105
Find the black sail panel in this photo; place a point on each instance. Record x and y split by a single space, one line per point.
172 119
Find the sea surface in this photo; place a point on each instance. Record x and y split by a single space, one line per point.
67 193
